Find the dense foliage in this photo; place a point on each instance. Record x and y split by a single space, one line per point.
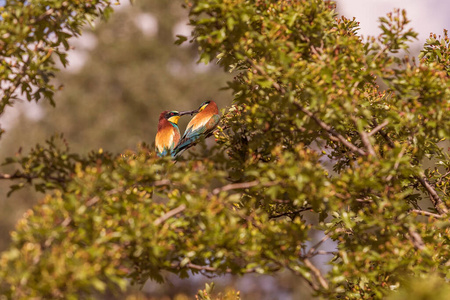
310 130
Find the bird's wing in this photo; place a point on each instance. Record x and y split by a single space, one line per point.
212 123
194 132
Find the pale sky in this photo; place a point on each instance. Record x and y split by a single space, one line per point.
426 15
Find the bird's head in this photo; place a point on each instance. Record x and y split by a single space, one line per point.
203 105
173 116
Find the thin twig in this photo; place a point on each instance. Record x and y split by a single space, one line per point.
29 177
316 273
212 269
364 138
334 135
437 201
43 16
317 245
16 176
434 197
290 213
322 252
442 178
416 239
378 128
426 213
309 280
169 214
385 137
161 182
235 186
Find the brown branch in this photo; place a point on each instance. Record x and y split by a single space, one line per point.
43 16
364 138
321 252
16 176
437 201
290 213
169 214
162 182
316 273
378 128
310 280
334 135
385 136
415 239
425 213
235 186
29 177
203 268
317 245
434 197
442 178
212 269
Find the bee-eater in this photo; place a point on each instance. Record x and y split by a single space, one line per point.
168 134
202 123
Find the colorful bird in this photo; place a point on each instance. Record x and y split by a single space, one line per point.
204 122
168 134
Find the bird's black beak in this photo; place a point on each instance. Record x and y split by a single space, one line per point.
188 112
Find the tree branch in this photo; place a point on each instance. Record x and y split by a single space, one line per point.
378 128
316 273
334 135
235 186
364 138
415 239
16 176
434 197
437 201
426 213
442 177
317 245
212 269
290 213
169 214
